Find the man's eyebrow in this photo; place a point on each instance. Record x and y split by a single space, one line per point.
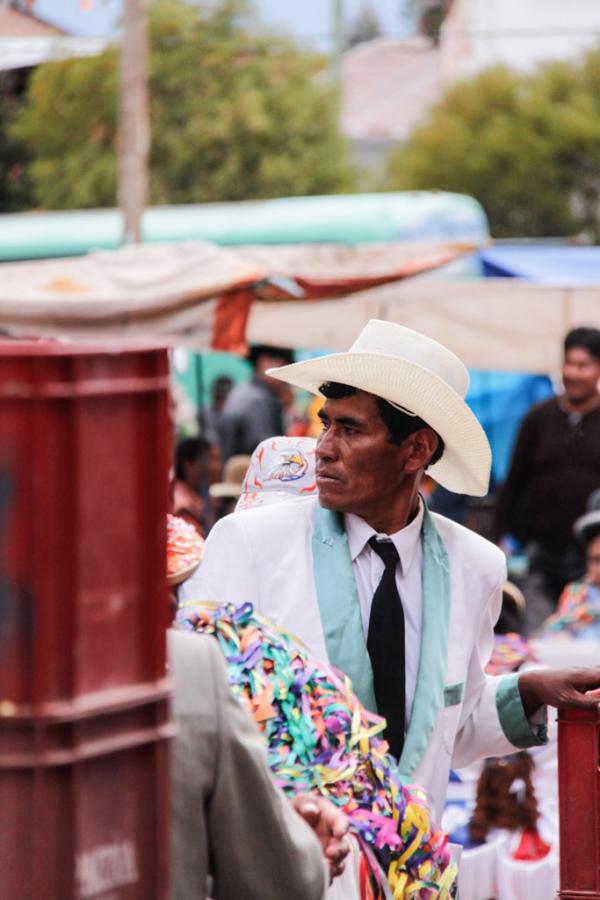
341 420
350 420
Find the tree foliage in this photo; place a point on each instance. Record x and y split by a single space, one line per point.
527 147
235 114
15 191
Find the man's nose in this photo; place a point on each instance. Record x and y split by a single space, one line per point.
326 448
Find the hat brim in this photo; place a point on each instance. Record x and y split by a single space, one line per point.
465 464
224 489
585 526
517 596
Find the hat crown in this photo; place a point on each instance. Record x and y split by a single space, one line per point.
593 502
390 339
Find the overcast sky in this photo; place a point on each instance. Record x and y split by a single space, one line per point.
305 19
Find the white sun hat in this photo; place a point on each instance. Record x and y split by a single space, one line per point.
422 377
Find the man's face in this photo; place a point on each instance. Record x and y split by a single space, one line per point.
358 469
580 374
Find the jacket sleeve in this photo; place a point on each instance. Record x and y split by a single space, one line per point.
229 816
261 849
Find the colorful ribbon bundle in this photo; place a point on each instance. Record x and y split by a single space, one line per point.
320 738
578 614
510 652
184 549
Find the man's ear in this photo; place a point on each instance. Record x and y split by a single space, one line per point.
421 445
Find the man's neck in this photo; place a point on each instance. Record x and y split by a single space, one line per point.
581 406
390 521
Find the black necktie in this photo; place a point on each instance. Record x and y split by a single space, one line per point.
385 643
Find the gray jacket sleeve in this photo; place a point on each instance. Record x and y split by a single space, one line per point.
228 815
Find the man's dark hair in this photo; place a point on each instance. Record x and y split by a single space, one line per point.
586 338
188 449
222 384
398 423
257 350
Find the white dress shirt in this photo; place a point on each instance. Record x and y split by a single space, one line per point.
368 568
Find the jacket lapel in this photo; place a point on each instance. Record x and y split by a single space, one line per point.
434 647
339 604
342 627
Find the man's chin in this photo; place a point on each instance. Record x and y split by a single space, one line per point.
578 394
328 499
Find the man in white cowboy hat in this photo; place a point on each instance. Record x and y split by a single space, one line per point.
401 600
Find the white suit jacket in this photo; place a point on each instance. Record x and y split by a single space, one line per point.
291 561
227 814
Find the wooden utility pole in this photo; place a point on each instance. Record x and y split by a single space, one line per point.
337 22
134 123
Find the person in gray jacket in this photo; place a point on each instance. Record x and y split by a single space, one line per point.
229 820
254 410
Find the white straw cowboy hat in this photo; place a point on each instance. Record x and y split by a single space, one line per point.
415 373
587 526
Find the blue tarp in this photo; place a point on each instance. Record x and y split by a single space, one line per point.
500 400
545 265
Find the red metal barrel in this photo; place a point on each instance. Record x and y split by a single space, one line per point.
579 799
85 444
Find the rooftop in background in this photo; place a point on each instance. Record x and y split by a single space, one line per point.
26 41
17 24
387 87
93 18
520 34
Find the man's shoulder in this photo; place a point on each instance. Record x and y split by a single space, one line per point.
241 395
282 517
547 408
194 658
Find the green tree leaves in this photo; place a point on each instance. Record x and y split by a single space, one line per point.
527 147
235 114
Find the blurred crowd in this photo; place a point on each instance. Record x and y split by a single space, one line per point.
209 468
255 444
545 516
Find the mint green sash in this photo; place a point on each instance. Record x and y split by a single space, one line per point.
344 637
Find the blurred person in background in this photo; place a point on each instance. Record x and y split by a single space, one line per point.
226 493
554 468
210 419
229 819
578 612
233 831
254 411
197 466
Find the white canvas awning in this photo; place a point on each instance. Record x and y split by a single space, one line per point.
504 324
193 293
200 295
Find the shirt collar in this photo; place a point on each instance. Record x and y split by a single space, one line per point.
405 541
